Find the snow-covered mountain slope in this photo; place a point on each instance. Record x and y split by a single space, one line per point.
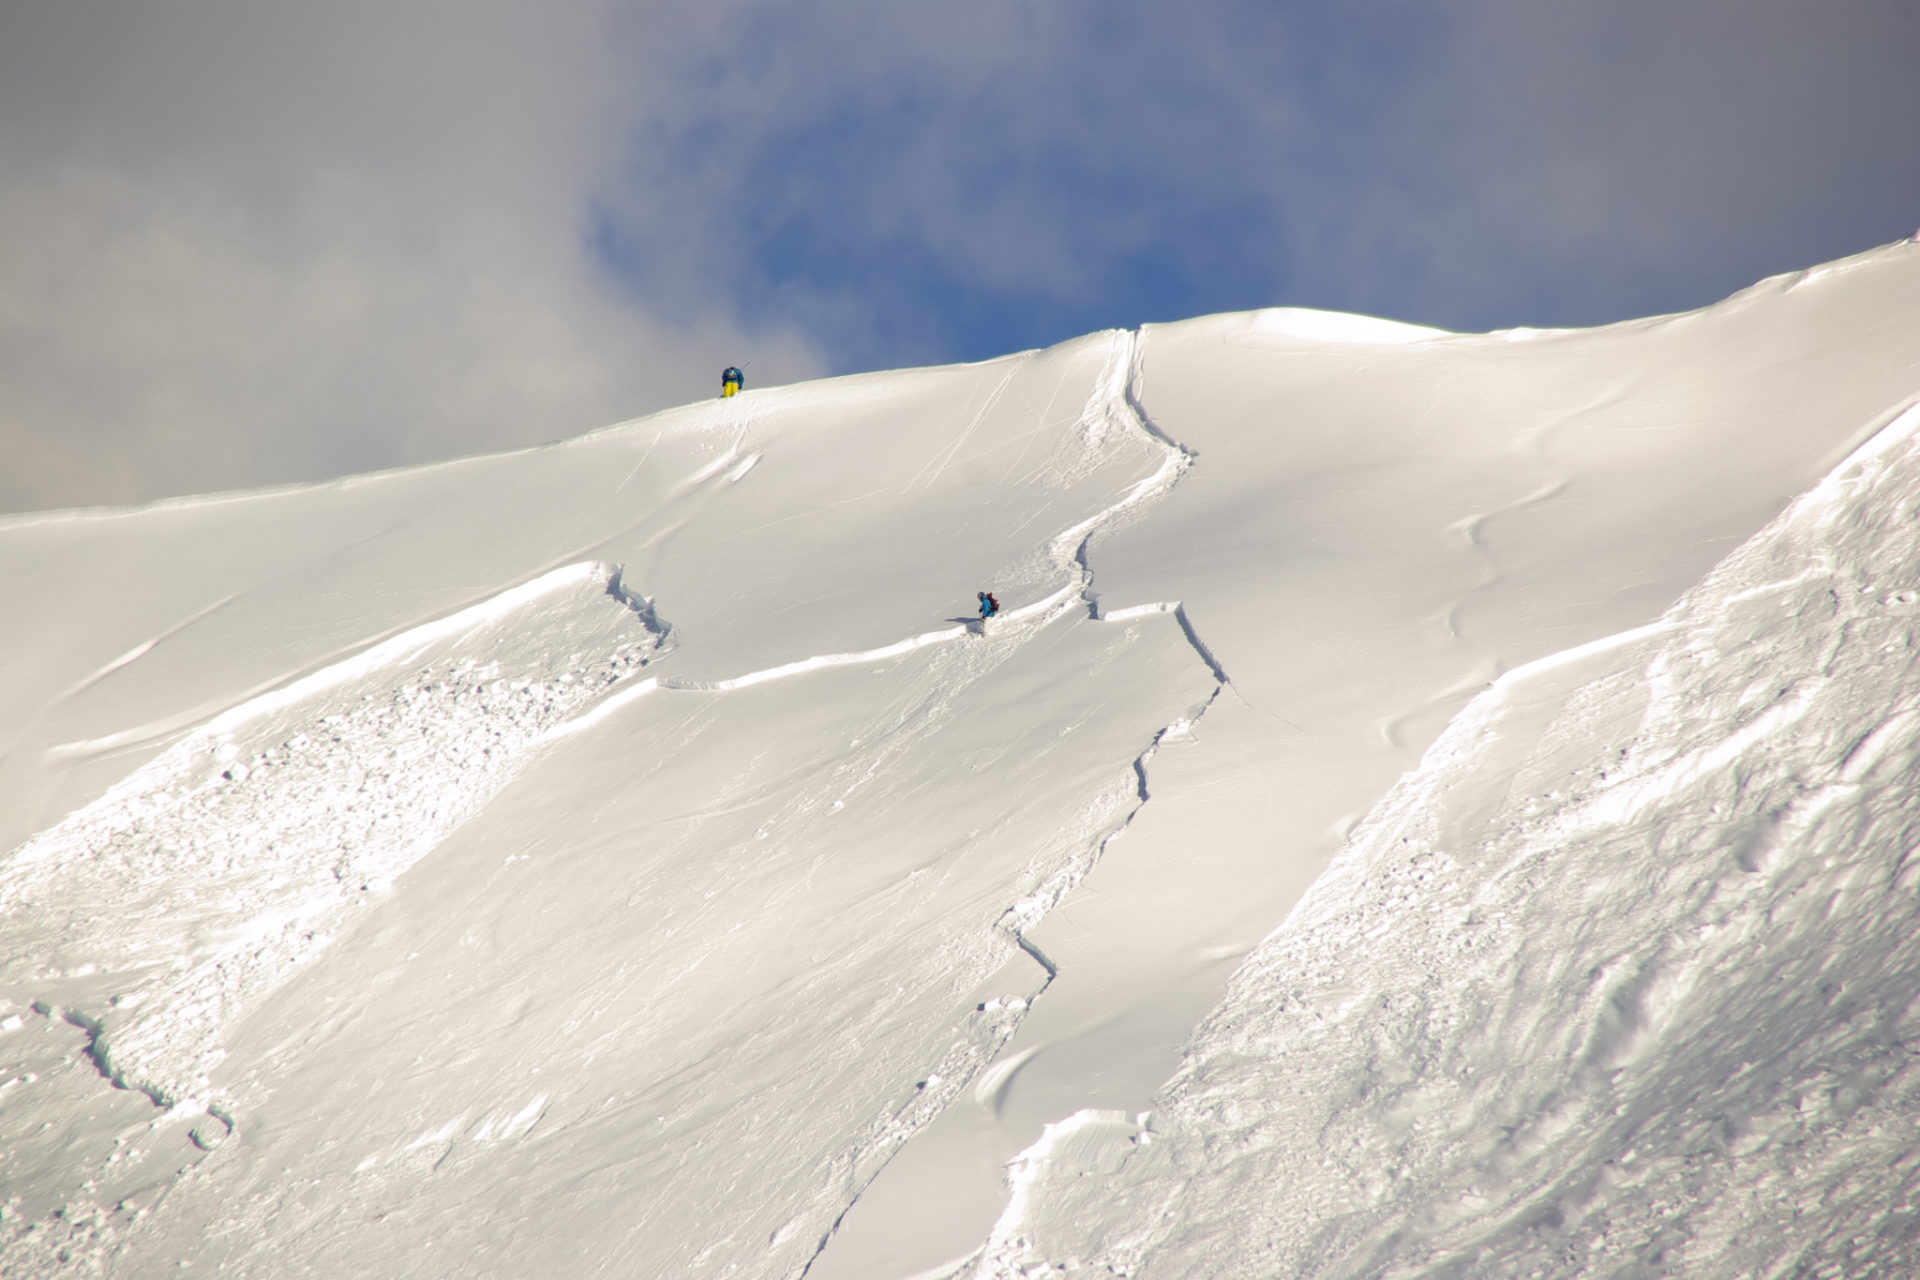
1624 980
606 859
1369 533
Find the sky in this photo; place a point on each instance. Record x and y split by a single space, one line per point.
245 245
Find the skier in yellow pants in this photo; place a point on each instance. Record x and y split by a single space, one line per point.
730 383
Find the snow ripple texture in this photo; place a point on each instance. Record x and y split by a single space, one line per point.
1629 986
232 856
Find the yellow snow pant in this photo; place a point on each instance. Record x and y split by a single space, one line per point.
728 388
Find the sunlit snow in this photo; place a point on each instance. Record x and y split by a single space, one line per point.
632 857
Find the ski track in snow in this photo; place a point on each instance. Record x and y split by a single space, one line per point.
207 878
1624 979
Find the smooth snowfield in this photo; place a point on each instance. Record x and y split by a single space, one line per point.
623 857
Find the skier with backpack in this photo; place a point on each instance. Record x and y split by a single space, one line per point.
988 605
731 381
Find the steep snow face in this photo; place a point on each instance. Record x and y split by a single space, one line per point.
728 933
1371 530
1622 981
607 859
733 926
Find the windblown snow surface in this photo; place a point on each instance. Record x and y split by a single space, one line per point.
1624 980
629 858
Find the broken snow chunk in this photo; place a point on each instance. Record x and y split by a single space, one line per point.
357 771
209 1133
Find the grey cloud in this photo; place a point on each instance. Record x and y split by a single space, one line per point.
156 341
243 246
1483 163
1563 164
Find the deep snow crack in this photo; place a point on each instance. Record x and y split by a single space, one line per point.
1113 405
1039 957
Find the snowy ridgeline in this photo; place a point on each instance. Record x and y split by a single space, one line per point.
1625 980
